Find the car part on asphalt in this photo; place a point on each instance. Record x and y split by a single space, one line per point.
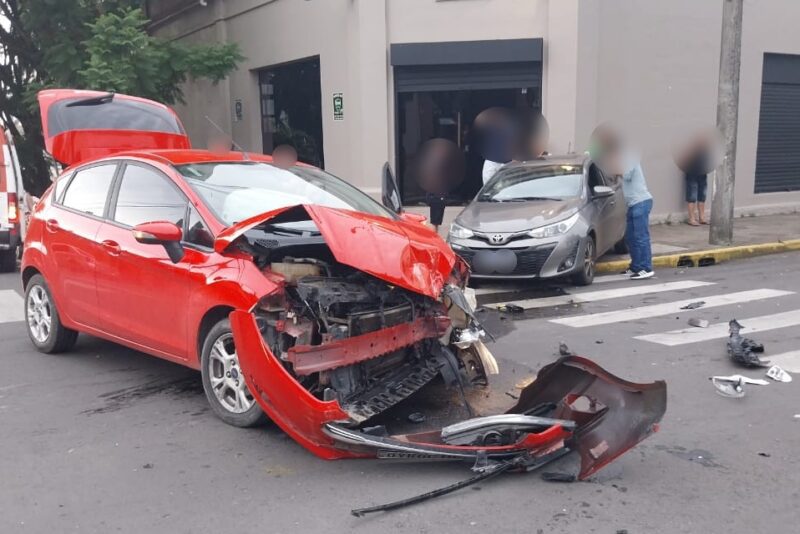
563 350
699 323
743 350
733 386
778 374
694 305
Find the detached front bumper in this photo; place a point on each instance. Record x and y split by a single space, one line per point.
574 405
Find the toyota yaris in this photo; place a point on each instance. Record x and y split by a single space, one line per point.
296 296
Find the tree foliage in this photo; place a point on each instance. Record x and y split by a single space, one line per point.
89 44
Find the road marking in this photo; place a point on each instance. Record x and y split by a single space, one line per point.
667 308
603 294
11 306
788 361
762 323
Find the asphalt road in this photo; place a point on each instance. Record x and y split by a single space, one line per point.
105 439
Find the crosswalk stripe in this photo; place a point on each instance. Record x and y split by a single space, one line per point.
788 361
762 323
604 294
11 307
511 289
667 308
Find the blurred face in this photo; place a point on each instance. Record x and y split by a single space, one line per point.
284 156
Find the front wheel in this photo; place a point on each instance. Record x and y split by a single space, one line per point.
44 323
585 276
223 381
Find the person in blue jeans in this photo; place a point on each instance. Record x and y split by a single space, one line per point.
637 233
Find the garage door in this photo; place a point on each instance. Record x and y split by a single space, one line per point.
778 155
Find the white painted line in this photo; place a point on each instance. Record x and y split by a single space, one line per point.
11 306
604 294
788 361
752 325
667 308
611 278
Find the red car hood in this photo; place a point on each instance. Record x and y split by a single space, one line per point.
402 253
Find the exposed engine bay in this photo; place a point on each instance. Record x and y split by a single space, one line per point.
348 336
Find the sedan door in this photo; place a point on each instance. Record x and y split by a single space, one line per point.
142 293
72 221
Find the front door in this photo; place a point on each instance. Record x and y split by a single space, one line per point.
143 294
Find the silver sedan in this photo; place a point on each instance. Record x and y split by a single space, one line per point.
546 218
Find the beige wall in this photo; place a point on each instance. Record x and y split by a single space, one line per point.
649 64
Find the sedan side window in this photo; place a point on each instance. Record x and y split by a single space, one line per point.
145 195
88 190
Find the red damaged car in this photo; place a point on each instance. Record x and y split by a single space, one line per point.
296 295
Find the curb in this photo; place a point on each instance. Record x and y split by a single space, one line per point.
703 258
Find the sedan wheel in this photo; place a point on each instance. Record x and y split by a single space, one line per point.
585 276
43 321
223 381
40 318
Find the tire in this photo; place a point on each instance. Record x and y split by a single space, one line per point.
48 337
621 247
585 274
231 401
8 261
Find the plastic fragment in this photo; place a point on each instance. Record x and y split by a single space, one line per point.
778 374
733 386
699 323
694 305
743 350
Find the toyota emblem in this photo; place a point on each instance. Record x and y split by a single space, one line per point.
497 239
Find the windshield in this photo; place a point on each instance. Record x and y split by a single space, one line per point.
521 182
236 191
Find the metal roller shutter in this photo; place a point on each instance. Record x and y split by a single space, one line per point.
778 154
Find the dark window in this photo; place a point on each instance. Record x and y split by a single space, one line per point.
778 153
145 195
111 114
88 190
291 109
197 233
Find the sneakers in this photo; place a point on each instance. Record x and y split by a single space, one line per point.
642 275
627 272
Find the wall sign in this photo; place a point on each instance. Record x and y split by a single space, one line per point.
238 110
338 106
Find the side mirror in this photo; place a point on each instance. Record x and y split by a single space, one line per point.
162 233
602 191
413 217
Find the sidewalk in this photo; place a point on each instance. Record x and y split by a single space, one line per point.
681 244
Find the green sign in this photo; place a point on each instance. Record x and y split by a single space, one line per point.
338 106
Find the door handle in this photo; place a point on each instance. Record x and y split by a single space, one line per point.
112 247
51 225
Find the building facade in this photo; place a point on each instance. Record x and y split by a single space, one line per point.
353 84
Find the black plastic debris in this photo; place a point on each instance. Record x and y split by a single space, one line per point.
563 349
557 476
694 305
743 350
511 308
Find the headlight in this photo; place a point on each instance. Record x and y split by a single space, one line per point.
459 232
558 228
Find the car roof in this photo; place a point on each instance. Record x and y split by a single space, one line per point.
562 159
182 157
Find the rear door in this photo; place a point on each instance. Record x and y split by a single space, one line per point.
72 221
143 294
79 125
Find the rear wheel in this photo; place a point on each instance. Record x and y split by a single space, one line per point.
8 261
585 276
223 380
44 323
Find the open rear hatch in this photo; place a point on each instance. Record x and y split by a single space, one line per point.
81 125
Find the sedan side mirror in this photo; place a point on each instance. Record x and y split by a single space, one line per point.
602 191
162 233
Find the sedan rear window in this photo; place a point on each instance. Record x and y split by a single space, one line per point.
522 182
236 191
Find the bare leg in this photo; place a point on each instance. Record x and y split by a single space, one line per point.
701 211
690 207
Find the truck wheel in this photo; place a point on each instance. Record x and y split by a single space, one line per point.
223 380
44 324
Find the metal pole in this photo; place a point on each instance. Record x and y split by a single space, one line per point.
721 231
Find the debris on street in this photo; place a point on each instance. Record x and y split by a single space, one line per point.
744 350
511 308
733 386
563 349
694 305
699 323
778 374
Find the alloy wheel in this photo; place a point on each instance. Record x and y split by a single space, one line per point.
225 375
40 314
588 259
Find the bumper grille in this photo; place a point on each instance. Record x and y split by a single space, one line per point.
529 260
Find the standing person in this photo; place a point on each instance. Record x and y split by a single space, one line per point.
695 166
637 233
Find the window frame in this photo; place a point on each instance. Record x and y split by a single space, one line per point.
106 163
116 186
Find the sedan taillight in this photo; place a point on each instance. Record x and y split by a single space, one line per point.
13 209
